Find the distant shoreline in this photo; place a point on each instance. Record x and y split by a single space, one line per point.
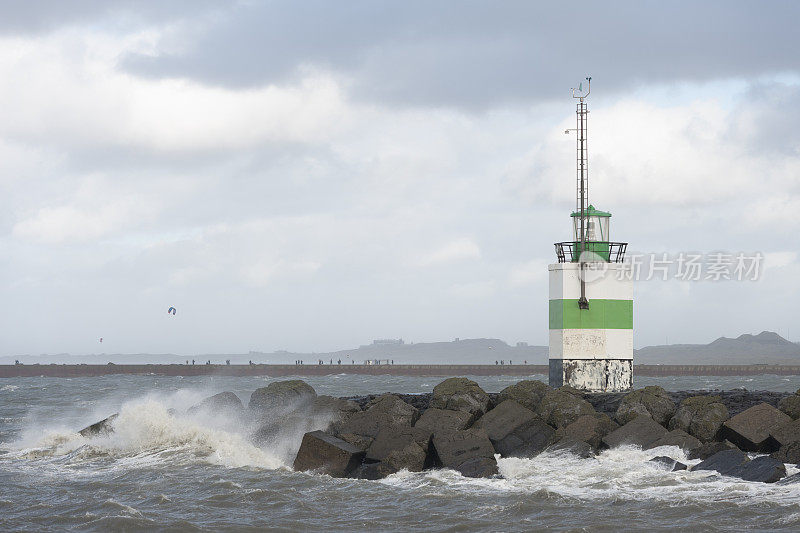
86 370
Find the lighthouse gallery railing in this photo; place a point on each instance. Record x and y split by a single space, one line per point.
613 252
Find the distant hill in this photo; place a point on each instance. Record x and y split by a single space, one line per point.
765 348
459 351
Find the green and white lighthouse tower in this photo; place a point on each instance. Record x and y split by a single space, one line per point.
591 292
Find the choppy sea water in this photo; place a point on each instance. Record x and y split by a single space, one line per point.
162 471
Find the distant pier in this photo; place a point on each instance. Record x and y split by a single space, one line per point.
85 370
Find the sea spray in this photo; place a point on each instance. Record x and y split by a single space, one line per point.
282 434
148 427
145 432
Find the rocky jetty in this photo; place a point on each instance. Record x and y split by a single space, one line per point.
745 434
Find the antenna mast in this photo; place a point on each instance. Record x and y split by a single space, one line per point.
582 169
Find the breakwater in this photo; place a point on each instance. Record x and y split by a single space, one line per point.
459 426
85 370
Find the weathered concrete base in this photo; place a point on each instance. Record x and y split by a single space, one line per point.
592 375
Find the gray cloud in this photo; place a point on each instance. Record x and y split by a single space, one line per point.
39 16
766 121
477 54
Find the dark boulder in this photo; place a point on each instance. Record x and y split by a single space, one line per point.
710 448
527 393
750 430
676 437
478 467
788 453
791 405
460 394
787 436
392 407
572 446
561 407
98 429
387 411
411 457
327 454
605 402
588 428
764 469
572 390
786 433
515 431
723 462
362 442
468 451
700 416
741 399
224 403
640 431
434 420
669 462
401 447
651 401
282 396
419 401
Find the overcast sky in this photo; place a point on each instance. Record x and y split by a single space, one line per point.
313 175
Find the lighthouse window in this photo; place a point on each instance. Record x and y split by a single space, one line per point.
602 223
596 228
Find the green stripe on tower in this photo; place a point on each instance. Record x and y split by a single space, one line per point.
602 314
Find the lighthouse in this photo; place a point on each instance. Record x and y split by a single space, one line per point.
591 291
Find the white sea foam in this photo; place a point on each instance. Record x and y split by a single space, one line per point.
8 388
145 433
623 473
